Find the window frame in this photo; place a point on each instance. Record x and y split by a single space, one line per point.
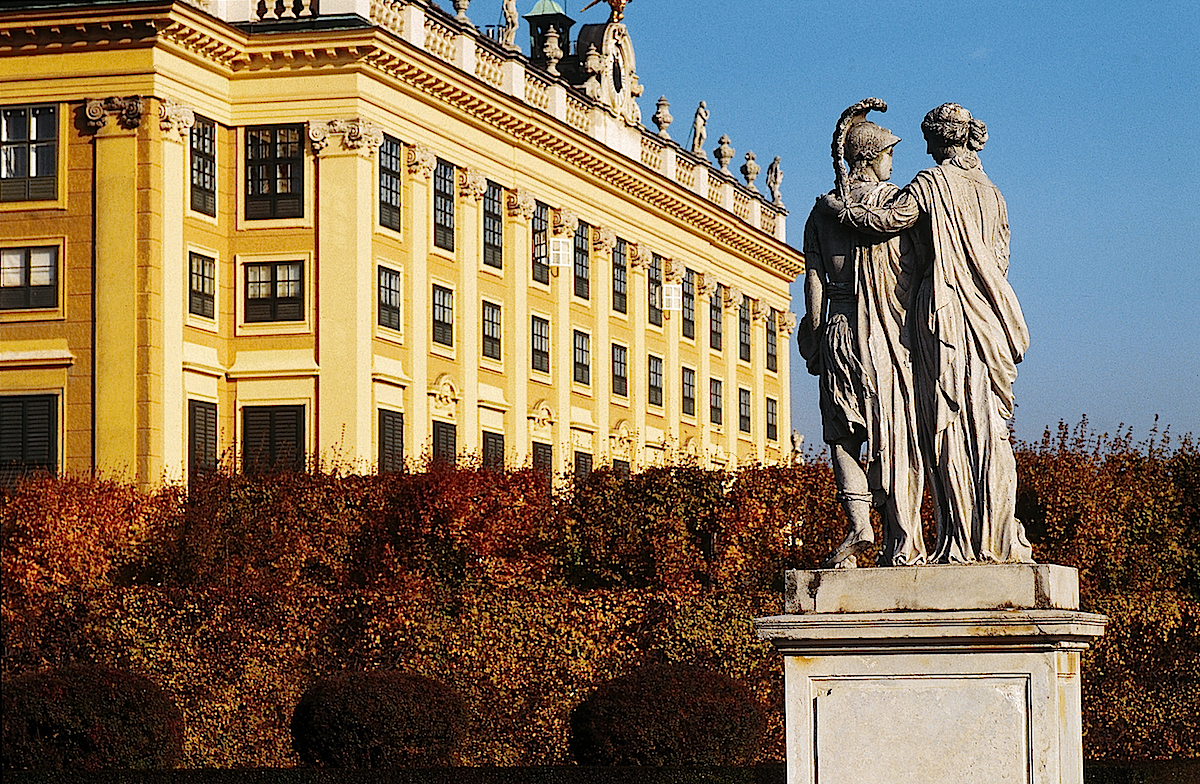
444 206
772 415
387 312
443 434
688 324
716 402
390 446
33 188
200 301
202 167
745 348
620 281
298 462
441 316
582 465
203 447
716 319
654 380
275 300
582 266
541 458
772 341
620 370
687 391
539 244
744 410
536 335
391 184
492 345
492 451
47 445
493 226
581 354
654 270
272 199
25 296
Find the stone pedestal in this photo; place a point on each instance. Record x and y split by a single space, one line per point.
923 675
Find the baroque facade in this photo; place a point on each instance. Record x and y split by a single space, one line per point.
268 233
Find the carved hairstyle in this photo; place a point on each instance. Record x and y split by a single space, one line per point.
950 126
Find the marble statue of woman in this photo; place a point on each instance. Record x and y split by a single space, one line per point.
966 335
852 339
700 129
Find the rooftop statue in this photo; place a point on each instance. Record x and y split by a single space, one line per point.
966 334
700 130
618 9
852 339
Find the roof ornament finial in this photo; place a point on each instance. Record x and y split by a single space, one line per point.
618 9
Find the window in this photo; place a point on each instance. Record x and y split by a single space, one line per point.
443 205
28 153
28 278
620 265
620 370
772 420
744 329
28 436
202 285
583 358
203 146
583 261
391 441
583 465
443 315
655 379
715 316
445 442
202 438
493 226
688 390
491 330
274 172
689 304
543 459
541 344
493 451
772 337
391 182
272 438
389 298
654 289
274 291
621 468
541 243
744 410
715 403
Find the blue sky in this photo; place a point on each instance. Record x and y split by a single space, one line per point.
1093 114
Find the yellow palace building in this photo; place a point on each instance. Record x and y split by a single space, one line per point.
362 231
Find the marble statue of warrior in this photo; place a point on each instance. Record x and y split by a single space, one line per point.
966 334
700 128
852 338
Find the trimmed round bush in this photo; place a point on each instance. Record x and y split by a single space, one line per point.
379 719
86 717
668 714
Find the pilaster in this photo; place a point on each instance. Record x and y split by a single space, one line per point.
637 298
519 206
114 123
345 151
470 188
420 162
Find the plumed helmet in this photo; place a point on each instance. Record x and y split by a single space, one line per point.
865 140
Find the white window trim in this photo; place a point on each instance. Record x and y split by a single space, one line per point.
304 327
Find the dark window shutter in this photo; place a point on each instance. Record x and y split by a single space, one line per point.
391 441
202 438
28 435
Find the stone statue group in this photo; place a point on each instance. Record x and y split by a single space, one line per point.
915 334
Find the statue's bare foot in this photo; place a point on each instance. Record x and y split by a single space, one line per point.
859 540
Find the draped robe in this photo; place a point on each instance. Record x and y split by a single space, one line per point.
866 381
966 334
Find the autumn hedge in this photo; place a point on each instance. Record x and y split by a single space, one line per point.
239 596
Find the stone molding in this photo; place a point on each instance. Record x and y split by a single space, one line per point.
445 395
706 285
638 255
733 297
421 160
565 222
786 324
758 311
603 239
357 134
175 118
520 204
673 271
541 415
128 111
471 183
